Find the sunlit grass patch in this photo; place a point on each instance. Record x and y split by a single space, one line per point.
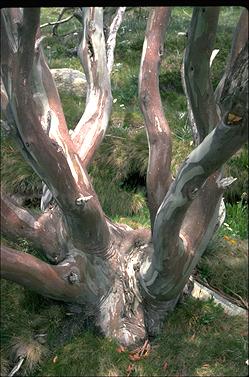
141 219
236 222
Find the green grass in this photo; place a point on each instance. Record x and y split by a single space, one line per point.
224 266
198 338
191 343
236 221
73 107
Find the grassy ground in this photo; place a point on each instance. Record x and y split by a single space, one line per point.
198 339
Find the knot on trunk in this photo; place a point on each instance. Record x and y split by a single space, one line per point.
73 278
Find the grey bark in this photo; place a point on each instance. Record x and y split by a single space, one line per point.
240 38
197 69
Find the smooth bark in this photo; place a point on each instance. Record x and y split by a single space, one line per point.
240 37
202 110
91 128
41 231
35 113
173 256
201 40
112 34
73 280
157 128
128 279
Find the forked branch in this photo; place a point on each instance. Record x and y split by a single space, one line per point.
47 280
173 257
36 115
202 107
18 223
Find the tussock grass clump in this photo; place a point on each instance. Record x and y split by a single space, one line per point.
31 349
17 175
24 316
4 365
122 155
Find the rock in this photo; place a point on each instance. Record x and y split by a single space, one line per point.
70 81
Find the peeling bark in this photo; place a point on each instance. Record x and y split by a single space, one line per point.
202 110
157 128
173 256
111 39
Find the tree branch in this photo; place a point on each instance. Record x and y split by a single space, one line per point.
56 23
41 129
202 110
34 274
200 221
167 271
91 128
111 40
45 232
197 69
47 280
173 257
158 132
240 38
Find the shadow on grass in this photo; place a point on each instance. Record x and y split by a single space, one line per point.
198 339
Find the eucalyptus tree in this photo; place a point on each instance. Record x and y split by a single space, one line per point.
128 280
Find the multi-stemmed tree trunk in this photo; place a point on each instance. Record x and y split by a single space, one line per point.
127 279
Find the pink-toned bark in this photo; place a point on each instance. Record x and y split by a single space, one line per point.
42 231
36 275
112 34
40 123
91 128
158 131
127 279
